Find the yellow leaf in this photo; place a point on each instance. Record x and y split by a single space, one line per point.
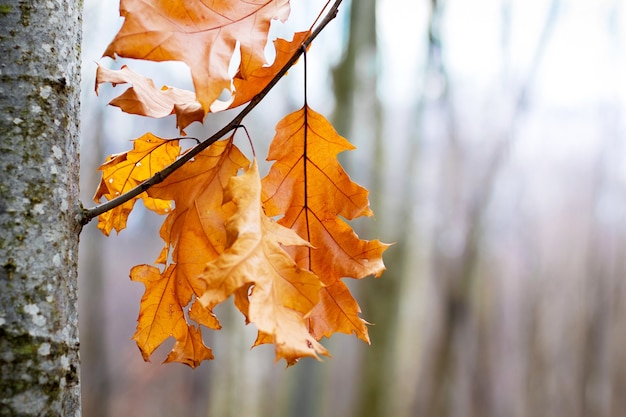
161 316
123 172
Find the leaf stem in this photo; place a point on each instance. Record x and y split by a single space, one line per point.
320 15
249 138
305 155
87 215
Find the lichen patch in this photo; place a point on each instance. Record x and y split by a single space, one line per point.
35 315
44 349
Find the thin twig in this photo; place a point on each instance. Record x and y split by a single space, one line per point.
88 214
249 138
319 15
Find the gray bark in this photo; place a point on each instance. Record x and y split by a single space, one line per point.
39 133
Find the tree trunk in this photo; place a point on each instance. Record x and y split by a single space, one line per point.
39 133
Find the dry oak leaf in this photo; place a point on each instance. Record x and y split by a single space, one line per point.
201 34
161 316
280 293
194 234
144 99
194 231
308 186
248 87
123 172
337 311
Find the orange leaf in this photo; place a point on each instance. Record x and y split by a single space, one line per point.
281 293
161 316
308 185
248 87
123 172
201 34
194 234
337 311
144 99
195 228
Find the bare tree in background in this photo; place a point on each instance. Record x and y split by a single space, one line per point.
502 297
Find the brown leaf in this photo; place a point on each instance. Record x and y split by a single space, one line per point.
281 293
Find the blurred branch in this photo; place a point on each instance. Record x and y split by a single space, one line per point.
358 115
459 274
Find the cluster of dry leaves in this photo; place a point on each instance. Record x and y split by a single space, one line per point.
220 237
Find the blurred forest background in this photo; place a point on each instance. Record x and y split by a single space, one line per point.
492 137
